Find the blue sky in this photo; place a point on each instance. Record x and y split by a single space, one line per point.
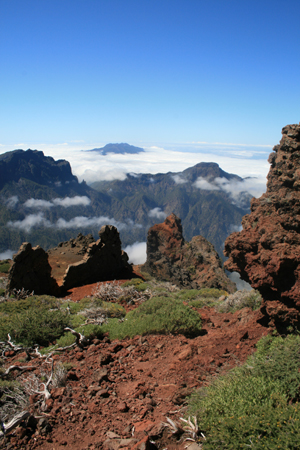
168 73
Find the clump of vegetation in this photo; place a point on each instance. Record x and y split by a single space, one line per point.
254 405
158 315
241 299
4 266
113 292
34 320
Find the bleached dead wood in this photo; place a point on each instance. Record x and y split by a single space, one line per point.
19 368
81 340
13 423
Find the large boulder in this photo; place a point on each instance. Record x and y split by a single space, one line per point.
193 264
31 270
266 252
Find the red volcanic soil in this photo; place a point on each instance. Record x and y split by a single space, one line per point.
118 393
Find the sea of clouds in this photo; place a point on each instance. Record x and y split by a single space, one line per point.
247 161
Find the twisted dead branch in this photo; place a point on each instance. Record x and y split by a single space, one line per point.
13 423
19 368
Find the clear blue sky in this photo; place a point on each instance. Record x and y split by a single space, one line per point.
153 71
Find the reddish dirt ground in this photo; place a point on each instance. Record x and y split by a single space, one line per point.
118 393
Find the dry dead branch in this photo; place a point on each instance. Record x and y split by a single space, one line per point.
19 368
14 422
175 428
81 340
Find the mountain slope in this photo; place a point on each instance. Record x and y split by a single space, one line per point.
42 202
208 210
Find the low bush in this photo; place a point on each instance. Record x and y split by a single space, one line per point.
159 315
254 405
4 266
34 326
34 320
241 299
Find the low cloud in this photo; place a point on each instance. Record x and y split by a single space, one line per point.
31 221
72 201
235 188
90 176
234 228
8 254
202 183
178 179
12 201
137 252
240 284
64 202
38 203
86 222
39 220
157 213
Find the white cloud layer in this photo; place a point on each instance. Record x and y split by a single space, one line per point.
254 186
157 213
38 220
12 201
137 252
8 254
64 202
178 179
241 159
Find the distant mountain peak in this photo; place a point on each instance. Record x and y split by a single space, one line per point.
117 148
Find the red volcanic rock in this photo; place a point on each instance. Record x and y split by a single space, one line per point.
266 252
193 264
31 270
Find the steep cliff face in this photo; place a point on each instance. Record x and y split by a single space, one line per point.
193 264
33 165
266 252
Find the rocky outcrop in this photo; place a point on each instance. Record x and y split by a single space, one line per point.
31 270
193 264
266 252
72 263
103 260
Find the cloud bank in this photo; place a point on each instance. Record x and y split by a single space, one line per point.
39 220
178 179
157 213
8 254
64 202
137 252
11 201
254 186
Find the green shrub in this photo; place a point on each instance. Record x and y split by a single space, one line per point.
13 306
107 308
241 299
159 315
34 326
253 405
211 293
2 291
134 282
91 331
4 267
187 295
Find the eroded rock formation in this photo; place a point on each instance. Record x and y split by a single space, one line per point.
193 264
266 252
31 270
73 263
103 260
